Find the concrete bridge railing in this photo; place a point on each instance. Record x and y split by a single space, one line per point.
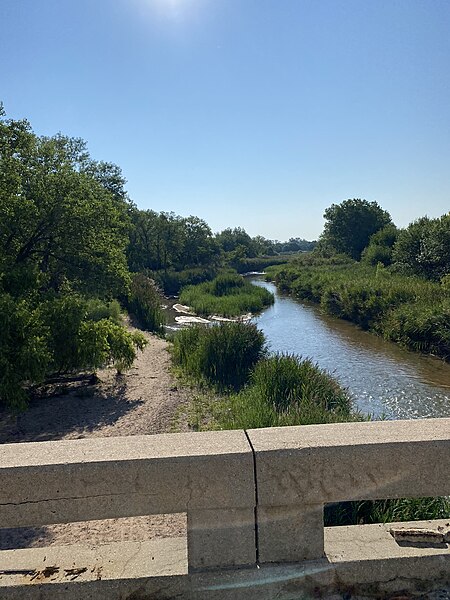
253 497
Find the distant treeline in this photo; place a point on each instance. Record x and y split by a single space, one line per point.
178 251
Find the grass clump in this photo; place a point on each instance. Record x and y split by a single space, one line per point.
386 511
228 295
221 356
284 390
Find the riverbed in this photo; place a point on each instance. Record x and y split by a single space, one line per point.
384 379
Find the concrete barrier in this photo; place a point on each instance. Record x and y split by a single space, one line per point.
299 469
209 476
252 499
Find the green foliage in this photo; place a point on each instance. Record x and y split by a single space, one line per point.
24 352
350 225
145 303
84 336
386 511
226 295
63 232
421 326
172 281
408 310
285 390
103 342
423 248
63 217
380 246
165 241
221 355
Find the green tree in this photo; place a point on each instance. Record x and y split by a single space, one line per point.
60 225
380 246
231 240
350 225
423 248
63 232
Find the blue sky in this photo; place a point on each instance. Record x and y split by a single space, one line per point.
258 113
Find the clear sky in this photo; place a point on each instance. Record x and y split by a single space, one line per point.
258 113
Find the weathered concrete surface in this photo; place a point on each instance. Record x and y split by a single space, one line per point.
348 461
290 533
364 560
56 482
224 537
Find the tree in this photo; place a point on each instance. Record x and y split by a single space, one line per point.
350 225
63 217
423 248
63 232
231 240
380 246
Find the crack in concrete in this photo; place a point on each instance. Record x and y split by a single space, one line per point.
62 498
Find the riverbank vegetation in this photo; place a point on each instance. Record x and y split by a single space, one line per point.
228 295
396 286
258 389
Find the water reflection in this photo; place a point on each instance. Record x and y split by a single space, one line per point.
383 378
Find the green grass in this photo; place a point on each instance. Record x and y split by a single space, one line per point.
221 356
412 312
286 390
228 295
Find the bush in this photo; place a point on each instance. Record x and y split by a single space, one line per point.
24 351
221 355
77 341
63 334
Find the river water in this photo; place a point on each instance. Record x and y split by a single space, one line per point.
383 378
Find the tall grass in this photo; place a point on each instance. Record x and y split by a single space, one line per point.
229 295
410 311
286 390
222 355
386 511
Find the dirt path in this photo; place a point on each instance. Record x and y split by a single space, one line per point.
145 400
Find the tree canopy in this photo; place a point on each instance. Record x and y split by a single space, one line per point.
349 225
64 228
423 248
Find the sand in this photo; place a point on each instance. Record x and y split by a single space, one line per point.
145 400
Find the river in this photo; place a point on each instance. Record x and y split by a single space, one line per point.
383 378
